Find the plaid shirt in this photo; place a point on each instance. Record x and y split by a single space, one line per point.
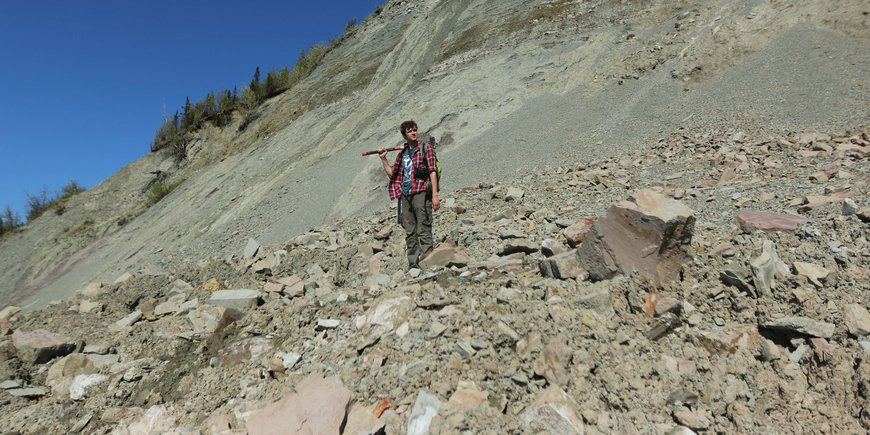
417 184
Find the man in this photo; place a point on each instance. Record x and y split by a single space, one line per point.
414 183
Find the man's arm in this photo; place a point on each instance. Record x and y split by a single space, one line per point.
433 178
387 167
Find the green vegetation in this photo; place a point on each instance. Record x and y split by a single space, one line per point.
44 201
218 108
9 221
158 190
38 204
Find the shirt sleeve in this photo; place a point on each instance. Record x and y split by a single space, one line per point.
430 158
397 165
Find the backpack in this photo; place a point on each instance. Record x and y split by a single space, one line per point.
437 163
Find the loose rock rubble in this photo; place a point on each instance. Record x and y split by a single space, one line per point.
731 298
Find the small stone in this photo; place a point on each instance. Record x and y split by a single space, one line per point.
802 325
324 324
28 393
514 194
576 232
129 320
751 221
857 320
769 350
693 419
554 411
9 384
9 311
240 299
813 272
849 207
551 247
251 249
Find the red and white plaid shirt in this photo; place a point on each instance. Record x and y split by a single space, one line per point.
417 184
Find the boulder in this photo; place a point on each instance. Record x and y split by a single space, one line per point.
645 234
41 346
751 221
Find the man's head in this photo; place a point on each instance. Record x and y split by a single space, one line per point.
409 130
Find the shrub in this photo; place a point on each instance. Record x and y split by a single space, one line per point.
37 204
9 221
159 190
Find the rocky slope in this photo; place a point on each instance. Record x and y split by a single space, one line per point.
656 221
761 327
510 87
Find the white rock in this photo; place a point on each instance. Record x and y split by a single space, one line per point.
425 409
84 384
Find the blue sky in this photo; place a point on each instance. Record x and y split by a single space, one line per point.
86 83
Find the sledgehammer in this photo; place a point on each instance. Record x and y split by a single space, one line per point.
368 153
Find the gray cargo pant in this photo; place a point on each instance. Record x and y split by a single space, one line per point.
415 216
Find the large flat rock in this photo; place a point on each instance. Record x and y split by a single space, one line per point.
41 346
644 234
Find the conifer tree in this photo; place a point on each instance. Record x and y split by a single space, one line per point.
255 82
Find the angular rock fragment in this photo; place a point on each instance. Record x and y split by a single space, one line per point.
767 267
9 311
551 247
319 406
514 246
563 266
554 411
446 255
28 393
752 221
84 384
662 326
645 234
40 346
802 325
692 419
251 249
239 299
361 421
813 272
737 278
857 320
575 233
425 409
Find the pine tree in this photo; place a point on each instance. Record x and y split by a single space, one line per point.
255 82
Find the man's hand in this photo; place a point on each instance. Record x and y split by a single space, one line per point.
382 152
436 203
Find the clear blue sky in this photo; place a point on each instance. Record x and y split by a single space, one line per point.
86 83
